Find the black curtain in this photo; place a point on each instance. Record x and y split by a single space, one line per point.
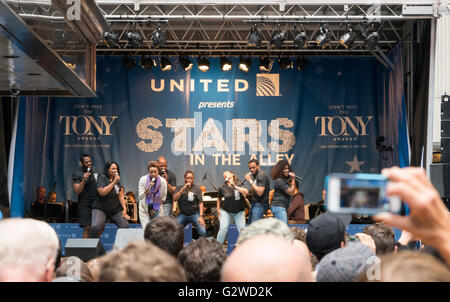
421 53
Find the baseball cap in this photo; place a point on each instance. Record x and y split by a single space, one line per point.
344 264
325 234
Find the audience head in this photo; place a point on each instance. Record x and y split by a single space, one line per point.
384 237
248 261
345 264
326 233
140 262
266 226
28 250
203 260
74 268
166 233
409 266
299 234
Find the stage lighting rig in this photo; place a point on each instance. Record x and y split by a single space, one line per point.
147 62
301 63
245 64
159 37
265 64
134 38
165 63
277 38
323 39
111 38
372 40
203 64
284 63
348 38
255 37
185 63
225 64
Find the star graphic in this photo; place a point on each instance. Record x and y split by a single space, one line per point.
355 165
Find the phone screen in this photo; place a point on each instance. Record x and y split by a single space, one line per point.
362 193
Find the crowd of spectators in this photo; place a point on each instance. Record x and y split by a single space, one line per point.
267 249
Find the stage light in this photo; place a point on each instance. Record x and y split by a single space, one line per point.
255 37
245 64
185 63
165 64
147 62
301 39
265 64
112 39
348 38
372 40
129 62
225 64
284 63
277 39
324 38
134 38
301 63
158 37
203 64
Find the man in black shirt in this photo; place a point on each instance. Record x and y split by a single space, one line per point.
85 186
171 181
260 186
190 200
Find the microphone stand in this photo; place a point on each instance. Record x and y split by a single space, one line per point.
207 179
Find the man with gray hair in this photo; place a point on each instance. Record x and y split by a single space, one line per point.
28 250
266 226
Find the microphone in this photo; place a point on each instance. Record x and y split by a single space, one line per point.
88 170
299 178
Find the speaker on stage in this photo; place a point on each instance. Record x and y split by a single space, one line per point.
84 248
440 178
125 236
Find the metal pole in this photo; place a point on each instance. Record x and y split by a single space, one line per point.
429 141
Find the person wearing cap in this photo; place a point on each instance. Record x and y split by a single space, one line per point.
325 234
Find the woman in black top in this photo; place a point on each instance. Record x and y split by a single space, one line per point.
110 203
190 201
233 205
284 189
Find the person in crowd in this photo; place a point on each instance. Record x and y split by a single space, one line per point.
140 262
296 211
325 234
299 234
428 219
132 205
84 182
166 233
266 226
284 189
52 197
202 260
190 200
345 264
384 237
28 250
233 207
249 261
110 203
41 194
37 207
171 181
74 268
407 266
260 187
152 193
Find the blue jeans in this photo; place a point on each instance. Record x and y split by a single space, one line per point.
225 220
279 213
184 220
257 211
99 219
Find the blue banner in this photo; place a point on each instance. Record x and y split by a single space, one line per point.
322 119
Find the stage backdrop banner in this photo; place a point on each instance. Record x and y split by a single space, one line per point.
322 119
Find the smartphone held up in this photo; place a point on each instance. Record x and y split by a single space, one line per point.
359 194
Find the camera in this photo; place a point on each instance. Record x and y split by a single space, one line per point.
359 194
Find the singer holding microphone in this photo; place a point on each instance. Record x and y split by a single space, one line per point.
111 203
284 189
190 200
260 186
233 205
152 192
